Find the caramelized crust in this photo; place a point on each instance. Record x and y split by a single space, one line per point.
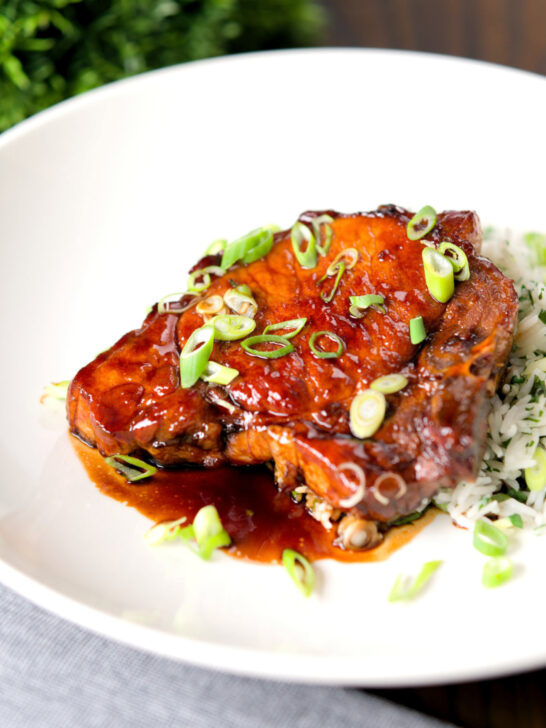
295 409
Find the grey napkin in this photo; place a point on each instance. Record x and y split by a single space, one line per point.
54 674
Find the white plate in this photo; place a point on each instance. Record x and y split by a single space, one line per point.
104 203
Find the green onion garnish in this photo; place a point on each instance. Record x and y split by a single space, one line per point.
321 353
417 330
245 289
537 243
210 306
217 246
250 247
513 521
348 256
165 531
171 303
535 476
250 344
403 590
208 532
232 328
458 259
218 374
389 384
132 468
195 355
360 303
241 303
295 324
340 271
421 223
320 225
439 275
300 571
194 286
301 235
55 390
489 540
496 571
367 413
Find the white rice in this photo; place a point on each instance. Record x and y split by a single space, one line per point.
517 421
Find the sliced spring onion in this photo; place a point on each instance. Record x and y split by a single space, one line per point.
132 468
165 531
496 571
241 303
322 353
340 271
244 289
232 328
323 233
439 275
535 476
295 324
367 413
389 384
403 590
210 306
56 390
208 532
421 223
249 345
302 236
458 259
248 248
513 521
218 374
196 286
489 540
360 303
348 256
217 246
299 570
171 303
417 330
195 355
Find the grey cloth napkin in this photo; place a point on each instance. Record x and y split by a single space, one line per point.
54 674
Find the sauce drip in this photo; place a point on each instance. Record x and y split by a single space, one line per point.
261 520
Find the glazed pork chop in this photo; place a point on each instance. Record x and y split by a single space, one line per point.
295 410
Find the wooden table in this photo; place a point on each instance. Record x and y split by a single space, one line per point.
510 32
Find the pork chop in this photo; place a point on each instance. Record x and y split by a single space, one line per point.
294 410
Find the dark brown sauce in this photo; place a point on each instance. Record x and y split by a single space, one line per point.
261 520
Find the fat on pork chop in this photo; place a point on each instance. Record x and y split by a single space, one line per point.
295 410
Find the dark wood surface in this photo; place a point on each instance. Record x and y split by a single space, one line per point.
513 33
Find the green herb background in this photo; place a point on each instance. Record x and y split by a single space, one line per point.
53 49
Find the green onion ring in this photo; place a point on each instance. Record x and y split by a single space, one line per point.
320 224
360 303
401 591
248 248
489 540
232 328
458 259
297 324
535 476
249 346
341 270
496 571
209 532
203 273
132 468
421 223
321 353
439 275
367 413
299 235
244 289
164 305
417 330
59 390
217 246
389 384
195 355
164 531
218 374
349 256
299 570
240 303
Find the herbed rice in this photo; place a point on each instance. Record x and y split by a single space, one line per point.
517 420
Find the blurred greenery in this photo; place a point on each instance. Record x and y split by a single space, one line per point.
52 49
